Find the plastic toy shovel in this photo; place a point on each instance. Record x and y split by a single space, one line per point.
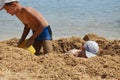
31 48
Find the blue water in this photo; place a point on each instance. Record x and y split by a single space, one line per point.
69 18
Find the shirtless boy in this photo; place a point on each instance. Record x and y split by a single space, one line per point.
32 19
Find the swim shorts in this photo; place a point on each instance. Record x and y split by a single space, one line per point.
46 34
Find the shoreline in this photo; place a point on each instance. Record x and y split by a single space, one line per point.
56 38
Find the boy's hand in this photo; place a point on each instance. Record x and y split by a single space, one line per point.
19 42
29 42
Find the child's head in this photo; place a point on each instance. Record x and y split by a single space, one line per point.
91 48
8 5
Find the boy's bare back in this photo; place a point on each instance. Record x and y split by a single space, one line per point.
31 18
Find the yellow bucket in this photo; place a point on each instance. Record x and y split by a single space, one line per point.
31 48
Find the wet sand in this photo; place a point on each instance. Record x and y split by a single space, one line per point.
19 64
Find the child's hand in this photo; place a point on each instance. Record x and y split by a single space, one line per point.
19 42
29 42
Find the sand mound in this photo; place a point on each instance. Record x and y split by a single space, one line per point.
19 64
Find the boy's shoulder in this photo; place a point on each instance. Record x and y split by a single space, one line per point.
27 8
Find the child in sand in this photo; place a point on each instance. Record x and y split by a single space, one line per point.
89 49
42 34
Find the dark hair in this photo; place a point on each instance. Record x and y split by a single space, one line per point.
8 4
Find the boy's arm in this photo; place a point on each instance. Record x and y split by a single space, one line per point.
37 32
24 34
30 41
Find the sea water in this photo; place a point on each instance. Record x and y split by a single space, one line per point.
69 18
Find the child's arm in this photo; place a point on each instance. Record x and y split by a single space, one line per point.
37 32
24 34
30 41
75 52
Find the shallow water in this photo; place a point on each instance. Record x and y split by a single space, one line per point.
69 18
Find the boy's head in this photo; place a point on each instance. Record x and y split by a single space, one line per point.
3 2
9 6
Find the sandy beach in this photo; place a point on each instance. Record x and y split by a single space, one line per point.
19 64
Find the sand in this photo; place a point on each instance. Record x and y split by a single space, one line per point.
19 64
